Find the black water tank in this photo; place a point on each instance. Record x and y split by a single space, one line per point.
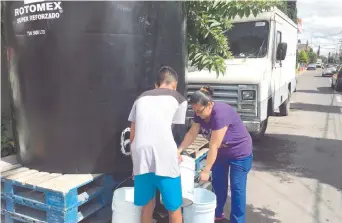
76 69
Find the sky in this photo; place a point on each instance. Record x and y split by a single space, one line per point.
321 23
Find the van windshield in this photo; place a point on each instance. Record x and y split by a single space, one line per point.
249 39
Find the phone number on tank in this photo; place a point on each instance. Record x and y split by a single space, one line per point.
35 32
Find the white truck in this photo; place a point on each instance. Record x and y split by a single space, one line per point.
319 63
261 76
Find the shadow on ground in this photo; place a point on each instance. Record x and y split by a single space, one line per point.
316 108
254 215
315 158
322 76
320 90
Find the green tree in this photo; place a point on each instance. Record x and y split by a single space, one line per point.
289 8
207 22
312 56
303 57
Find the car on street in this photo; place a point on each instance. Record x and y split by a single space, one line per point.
338 67
329 70
319 63
336 80
311 67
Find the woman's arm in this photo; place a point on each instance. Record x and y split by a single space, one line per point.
214 144
190 136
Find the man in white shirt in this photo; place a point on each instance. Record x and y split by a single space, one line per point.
154 151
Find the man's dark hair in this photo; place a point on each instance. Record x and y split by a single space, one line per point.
166 75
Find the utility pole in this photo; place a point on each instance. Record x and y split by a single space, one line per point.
318 51
340 52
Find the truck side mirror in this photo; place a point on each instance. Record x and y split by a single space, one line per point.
281 51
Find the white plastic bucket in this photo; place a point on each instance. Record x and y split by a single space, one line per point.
187 169
123 206
203 208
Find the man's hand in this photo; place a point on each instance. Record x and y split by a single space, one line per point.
180 158
204 176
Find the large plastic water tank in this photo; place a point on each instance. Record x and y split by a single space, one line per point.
76 69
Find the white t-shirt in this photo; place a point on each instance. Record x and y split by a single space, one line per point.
153 148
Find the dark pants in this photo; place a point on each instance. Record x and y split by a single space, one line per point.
238 169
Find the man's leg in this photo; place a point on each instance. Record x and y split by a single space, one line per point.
219 174
144 192
176 216
147 211
171 193
238 181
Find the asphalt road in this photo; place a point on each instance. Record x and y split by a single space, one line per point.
297 170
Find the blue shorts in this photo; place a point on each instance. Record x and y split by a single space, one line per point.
145 186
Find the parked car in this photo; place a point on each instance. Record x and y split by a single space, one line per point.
329 70
338 67
311 67
336 80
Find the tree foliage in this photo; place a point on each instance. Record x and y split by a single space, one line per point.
207 22
289 8
303 57
312 56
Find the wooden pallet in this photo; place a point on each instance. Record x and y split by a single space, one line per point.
33 196
194 150
198 150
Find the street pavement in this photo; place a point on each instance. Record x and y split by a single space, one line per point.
297 170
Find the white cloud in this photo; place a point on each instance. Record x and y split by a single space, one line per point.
322 23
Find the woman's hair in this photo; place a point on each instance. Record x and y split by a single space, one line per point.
203 96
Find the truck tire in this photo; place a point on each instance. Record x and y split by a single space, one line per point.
257 136
284 109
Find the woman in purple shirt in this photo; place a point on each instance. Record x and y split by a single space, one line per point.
230 150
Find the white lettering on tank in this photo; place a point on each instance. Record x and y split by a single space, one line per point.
49 6
58 5
40 7
33 8
21 11
26 8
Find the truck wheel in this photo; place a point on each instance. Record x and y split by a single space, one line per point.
284 109
257 136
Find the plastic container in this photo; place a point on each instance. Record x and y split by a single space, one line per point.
76 69
203 208
187 169
123 206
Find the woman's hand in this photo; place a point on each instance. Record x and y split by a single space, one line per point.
204 176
